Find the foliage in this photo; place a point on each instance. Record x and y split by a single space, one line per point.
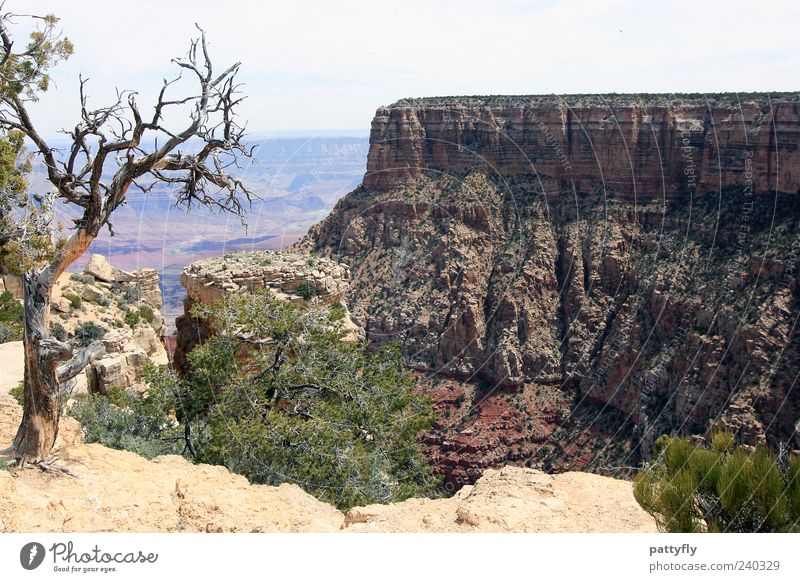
132 294
11 314
88 332
306 290
277 396
725 488
18 392
57 331
128 421
132 318
27 238
74 300
147 314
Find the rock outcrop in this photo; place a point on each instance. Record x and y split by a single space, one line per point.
573 277
297 277
118 491
123 310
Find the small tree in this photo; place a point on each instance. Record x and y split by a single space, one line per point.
278 396
111 149
689 488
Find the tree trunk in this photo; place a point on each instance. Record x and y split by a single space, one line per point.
39 428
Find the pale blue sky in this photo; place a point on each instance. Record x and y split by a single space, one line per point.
330 64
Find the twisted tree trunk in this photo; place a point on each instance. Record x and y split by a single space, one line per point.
44 374
39 428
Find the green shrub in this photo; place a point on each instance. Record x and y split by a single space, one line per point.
132 318
18 392
689 488
11 314
306 290
87 332
57 331
305 408
10 332
127 421
146 312
73 299
132 294
10 308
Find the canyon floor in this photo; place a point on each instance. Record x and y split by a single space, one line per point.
118 491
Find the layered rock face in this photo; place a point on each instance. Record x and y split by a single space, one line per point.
648 146
572 278
297 277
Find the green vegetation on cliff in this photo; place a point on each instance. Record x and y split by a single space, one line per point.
277 396
725 488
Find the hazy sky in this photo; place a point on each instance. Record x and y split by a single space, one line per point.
330 64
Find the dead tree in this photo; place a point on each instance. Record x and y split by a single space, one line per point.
113 149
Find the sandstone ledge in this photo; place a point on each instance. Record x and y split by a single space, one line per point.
208 280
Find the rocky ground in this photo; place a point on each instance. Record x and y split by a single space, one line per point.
122 492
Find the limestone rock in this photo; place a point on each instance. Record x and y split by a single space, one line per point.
512 499
99 268
12 284
121 366
146 280
61 304
92 293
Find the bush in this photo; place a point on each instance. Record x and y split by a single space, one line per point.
132 318
73 299
18 392
88 332
127 421
724 488
146 312
305 408
132 294
306 291
57 331
11 315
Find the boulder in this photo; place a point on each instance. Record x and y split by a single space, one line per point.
61 304
92 293
127 353
146 338
13 285
100 268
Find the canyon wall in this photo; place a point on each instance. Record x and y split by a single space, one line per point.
632 146
573 277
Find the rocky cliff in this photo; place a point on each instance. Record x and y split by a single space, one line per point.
636 147
572 277
296 277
